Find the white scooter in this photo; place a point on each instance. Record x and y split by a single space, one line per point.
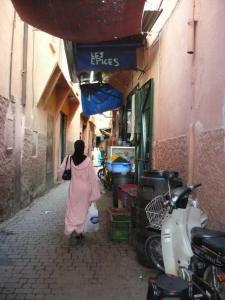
188 249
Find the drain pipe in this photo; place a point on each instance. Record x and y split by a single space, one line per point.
24 70
11 55
20 121
193 127
17 128
191 29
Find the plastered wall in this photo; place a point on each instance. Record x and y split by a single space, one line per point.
189 99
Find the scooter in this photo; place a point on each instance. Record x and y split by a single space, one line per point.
189 250
156 211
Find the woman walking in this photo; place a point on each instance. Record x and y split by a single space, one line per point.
83 190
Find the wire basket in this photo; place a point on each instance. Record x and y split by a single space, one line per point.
156 212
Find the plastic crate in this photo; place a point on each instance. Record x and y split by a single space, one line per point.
123 198
119 224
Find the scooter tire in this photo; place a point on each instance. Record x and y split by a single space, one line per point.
153 251
220 287
140 253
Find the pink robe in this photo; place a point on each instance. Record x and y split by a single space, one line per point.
83 190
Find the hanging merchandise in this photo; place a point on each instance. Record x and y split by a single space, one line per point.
98 98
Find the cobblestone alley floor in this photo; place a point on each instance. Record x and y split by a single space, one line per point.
36 261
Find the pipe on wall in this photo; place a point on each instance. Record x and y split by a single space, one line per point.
193 132
11 55
191 29
191 37
24 67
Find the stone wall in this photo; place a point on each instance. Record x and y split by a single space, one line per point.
33 168
171 154
7 166
209 168
210 172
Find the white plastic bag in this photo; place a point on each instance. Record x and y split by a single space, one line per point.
92 219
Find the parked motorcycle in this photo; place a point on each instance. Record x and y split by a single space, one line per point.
188 249
157 211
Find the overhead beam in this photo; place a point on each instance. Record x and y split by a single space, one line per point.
61 95
73 107
49 88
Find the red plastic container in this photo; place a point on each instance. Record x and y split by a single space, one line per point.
122 192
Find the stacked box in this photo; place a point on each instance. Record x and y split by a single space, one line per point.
119 224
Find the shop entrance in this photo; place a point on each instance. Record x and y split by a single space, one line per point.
62 149
49 152
143 127
136 123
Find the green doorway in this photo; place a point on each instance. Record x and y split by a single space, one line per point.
49 152
62 136
144 127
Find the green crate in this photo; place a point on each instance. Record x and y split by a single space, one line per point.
119 222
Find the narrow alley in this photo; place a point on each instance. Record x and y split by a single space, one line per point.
37 262
136 90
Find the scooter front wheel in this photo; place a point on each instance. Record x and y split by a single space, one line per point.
210 276
153 251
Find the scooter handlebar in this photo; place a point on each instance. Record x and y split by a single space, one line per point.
195 186
187 190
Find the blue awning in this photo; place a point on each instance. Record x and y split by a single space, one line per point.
98 98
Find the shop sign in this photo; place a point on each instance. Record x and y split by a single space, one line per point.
96 59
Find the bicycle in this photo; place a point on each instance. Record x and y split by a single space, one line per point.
105 176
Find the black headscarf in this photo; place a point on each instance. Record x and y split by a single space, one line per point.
78 155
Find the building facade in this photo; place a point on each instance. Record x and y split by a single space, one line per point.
40 111
185 60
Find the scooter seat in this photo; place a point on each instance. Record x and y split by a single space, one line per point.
214 240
